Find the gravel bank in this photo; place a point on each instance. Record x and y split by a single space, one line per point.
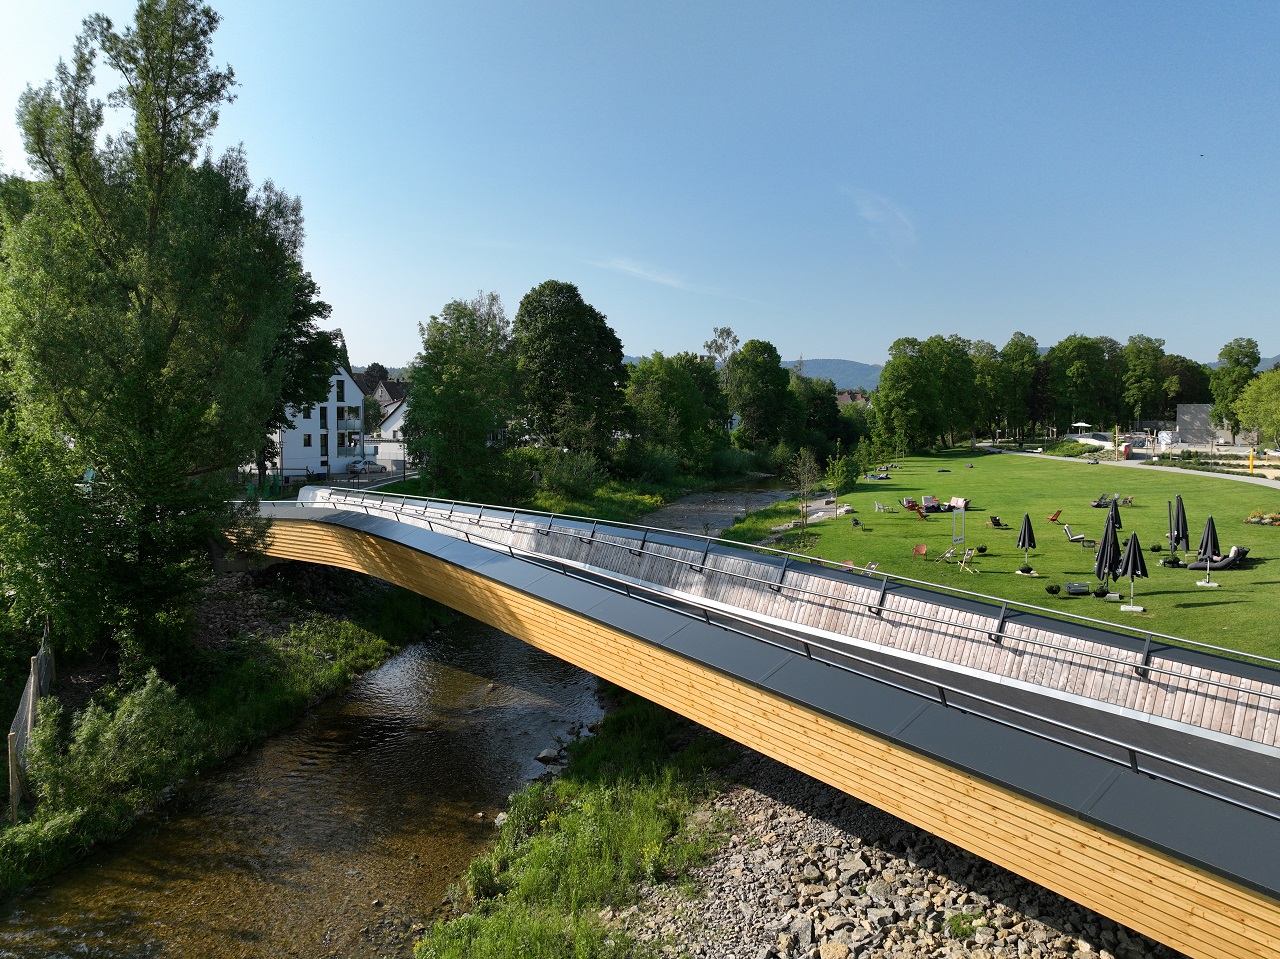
812 873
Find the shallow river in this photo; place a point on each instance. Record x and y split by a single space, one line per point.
338 838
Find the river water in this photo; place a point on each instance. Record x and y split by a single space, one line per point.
338 838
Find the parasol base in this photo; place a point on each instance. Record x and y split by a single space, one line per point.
1201 582
1133 609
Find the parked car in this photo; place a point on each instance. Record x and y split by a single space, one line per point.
365 466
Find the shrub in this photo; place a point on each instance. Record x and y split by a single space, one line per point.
982 549
1053 589
573 474
1157 547
1025 568
731 461
656 464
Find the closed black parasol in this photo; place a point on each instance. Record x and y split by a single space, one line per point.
1107 563
1133 565
1115 514
1179 538
1209 549
1026 537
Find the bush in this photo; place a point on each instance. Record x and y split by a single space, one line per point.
1072 449
656 464
573 474
1025 568
1053 589
1157 547
731 461
982 549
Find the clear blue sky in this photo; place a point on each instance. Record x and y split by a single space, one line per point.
826 176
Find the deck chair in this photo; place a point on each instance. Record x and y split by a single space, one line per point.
1127 501
881 508
920 513
966 559
920 550
947 557
996 522
1080 538
909 502
1105 500
1053 518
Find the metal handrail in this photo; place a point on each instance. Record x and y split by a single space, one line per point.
653 596
1144 667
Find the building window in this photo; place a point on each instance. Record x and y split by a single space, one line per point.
324 444
324 417
342 390
306 439
306 414
353 412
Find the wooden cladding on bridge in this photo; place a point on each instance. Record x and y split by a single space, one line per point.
1190 909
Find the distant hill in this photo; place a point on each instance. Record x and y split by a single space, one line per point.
846 374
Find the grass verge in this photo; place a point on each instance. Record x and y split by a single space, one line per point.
620 816
96 772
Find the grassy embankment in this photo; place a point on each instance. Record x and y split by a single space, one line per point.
1237 615
130 748
619 815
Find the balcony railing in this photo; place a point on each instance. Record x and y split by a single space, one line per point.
350 424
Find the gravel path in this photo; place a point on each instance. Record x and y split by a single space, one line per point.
809 872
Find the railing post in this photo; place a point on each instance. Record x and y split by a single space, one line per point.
35 695
702 563
777 587
15 778
998 635
878 607
1144 670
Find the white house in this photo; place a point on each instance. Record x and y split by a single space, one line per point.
325 438
389 435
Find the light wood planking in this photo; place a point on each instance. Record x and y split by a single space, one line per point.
1188 908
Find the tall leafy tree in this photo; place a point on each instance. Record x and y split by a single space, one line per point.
817 425
1144 388
460 396
760 393
145 305
671 409
1258 406
1238 362
569 363
905 401
1019 361
375 373
1183 381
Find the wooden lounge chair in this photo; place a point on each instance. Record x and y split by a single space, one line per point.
947 557
966 559
1127 501
1054 517
920 512
920 550
1084 541
909 502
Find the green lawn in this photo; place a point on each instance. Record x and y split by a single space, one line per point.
1237 615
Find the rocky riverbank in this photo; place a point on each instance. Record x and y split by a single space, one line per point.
809 872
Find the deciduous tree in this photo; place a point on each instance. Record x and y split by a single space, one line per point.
569 365
460 396
146 299
1238 361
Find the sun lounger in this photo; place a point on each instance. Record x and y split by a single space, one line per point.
947 557
959 502
919 551
1233 556
1054 517
881 508
1104 501
966 559
996 522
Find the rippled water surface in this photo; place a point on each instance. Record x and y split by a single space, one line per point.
335 839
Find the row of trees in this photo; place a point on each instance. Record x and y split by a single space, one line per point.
554 379
944 389
155 325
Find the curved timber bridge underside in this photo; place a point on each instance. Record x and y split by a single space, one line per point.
1135 777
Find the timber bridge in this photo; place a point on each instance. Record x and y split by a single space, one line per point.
1136 774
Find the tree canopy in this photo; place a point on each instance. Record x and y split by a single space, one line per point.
460 396
569 365
154 321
